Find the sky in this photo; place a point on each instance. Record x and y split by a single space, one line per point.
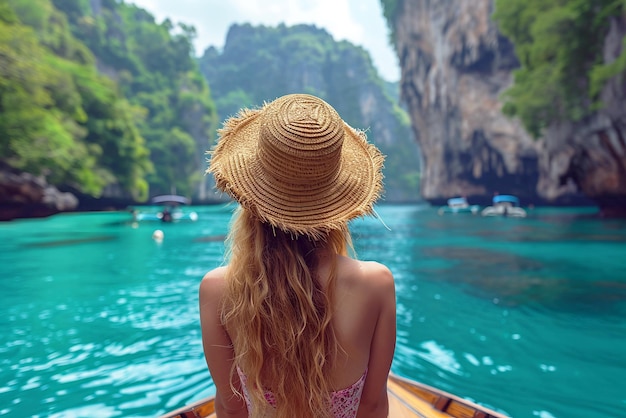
360 22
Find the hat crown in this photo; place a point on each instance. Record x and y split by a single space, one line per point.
300 141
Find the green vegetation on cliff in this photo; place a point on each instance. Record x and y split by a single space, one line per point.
154 68
95 95
560 47
58 116
260 63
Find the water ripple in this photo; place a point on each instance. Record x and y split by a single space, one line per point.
109 327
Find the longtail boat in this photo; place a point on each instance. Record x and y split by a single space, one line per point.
407 399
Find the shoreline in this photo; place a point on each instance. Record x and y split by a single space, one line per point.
35 211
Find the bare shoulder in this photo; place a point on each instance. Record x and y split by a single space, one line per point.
217 274
212 284
381 283
375 270
369 276
377 275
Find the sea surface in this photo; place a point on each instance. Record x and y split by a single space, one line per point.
526 316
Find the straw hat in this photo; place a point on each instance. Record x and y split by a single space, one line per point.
294 163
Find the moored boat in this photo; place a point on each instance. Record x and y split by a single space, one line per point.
171 211
458 205
504 205
407 399
173 216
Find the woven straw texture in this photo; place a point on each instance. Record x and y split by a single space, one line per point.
295 164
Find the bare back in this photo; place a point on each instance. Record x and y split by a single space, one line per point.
362 295
363 322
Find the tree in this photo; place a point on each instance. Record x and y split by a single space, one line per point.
58 116
559 45
156 72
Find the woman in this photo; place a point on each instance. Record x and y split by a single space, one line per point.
293 326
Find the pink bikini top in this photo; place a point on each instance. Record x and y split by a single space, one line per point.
344 402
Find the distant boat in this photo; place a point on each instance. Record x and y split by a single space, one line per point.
504 205
171 199
175 215
171 211
407 399
458 205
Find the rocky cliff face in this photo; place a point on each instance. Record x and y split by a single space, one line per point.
455 65
25 195
591 154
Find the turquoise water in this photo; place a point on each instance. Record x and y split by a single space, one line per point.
526 316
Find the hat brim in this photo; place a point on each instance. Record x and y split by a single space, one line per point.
308 210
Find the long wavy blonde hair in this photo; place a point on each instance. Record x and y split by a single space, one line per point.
281 314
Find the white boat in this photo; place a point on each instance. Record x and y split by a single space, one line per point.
458 205
504 205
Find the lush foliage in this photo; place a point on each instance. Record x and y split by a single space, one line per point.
154 68
101 99
58 116
559 45
260 63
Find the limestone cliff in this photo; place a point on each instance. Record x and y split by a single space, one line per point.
591 154
455 65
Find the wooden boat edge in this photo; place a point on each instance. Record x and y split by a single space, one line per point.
441 402
199 409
